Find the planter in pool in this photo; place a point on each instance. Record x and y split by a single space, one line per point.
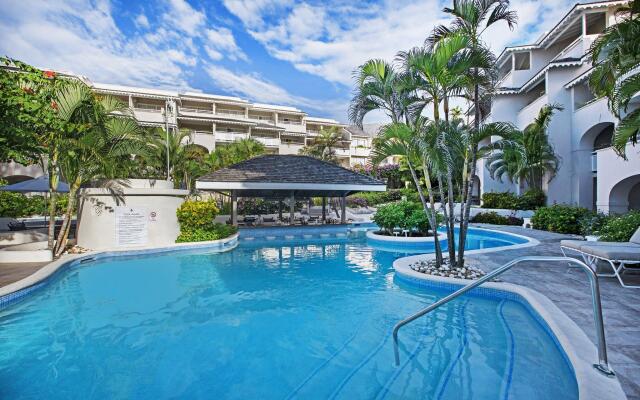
417 243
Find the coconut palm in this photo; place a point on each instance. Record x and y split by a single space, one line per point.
526 156
234 152
102 136
616 59
324 145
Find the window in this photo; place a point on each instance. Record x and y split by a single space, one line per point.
596 23
522 61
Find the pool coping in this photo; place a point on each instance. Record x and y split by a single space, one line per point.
580 352
18 289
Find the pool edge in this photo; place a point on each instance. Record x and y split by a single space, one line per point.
13 291
592 385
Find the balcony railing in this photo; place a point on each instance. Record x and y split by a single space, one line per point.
196 110
261 118
313 131
148 107
231 136
230 113
271 142
343 152
289 122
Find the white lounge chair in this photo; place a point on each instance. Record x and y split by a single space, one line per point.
619 255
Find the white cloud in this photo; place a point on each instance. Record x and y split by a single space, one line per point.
142 21
184 17
256 88
220 41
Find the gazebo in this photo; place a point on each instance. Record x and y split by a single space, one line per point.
280 177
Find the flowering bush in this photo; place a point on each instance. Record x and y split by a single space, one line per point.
620 228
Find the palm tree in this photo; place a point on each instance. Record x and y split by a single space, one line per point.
324 145
616 59
380 87
471 19
103 137
233 153
526 156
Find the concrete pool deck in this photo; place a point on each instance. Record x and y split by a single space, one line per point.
569 290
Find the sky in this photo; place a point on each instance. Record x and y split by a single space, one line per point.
286 52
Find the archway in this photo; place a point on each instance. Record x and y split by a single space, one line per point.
625 195
585 162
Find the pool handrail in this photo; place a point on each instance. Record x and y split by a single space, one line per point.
602 365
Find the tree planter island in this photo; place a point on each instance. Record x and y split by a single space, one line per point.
422 243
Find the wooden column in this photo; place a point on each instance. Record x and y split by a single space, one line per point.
292 208
324 209
343 209
234 208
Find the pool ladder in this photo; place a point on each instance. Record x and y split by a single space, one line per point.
602 365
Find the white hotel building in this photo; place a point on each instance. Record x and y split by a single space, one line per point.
219 120
556 69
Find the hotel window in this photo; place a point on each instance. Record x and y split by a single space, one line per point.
596 23
522 61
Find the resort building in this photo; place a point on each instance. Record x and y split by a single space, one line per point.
215 120
555 70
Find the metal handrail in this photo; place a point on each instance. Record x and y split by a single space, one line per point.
602 365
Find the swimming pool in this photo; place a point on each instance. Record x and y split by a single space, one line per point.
301 318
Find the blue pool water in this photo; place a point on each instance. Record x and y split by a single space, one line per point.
271 319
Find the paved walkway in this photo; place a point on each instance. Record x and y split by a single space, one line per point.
569 290
10 273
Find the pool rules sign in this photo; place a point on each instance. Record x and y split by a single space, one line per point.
131 226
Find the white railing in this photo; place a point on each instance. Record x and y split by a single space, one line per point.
313 131
572 50
289 122
196 110
231 113
261 118
148 107
535 103
230 136
360 151
343 152
267 141
201 133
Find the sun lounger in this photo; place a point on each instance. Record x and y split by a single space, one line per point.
619 255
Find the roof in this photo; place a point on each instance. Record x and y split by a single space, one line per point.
285 173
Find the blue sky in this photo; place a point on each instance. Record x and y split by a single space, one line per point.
270 51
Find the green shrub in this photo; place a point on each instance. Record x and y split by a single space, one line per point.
592 222
372 199
213 232
559 218
493 217
505 200
620 228
197 214
532 199
403 214
17 205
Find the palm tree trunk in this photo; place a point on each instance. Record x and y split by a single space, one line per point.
451 219
433 221
433 214
468 190
63 235
53 186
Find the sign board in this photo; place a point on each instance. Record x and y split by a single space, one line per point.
131 226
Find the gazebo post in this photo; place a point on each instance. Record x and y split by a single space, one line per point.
324 209
292 208
234 208
343 209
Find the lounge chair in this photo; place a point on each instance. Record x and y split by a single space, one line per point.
618 254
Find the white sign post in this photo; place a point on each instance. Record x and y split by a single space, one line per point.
131 226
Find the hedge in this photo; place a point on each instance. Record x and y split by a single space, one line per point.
620 228
372 199
196 222
404 214
493 217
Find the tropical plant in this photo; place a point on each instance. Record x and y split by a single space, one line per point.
471 19
494 218
324 145
102 136
526 156
196 219
559 218
616 74
234 152
620 228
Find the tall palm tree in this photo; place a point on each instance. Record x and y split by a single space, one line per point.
526 156
471 19
324 145
234 152
103 137
616 74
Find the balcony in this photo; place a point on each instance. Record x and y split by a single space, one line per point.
230 113
529 112
577 48
360 151
196 110
269 142
343 152
148 107
260 118
230 136
289 122
313 132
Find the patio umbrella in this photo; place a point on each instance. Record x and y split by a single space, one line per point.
40 184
